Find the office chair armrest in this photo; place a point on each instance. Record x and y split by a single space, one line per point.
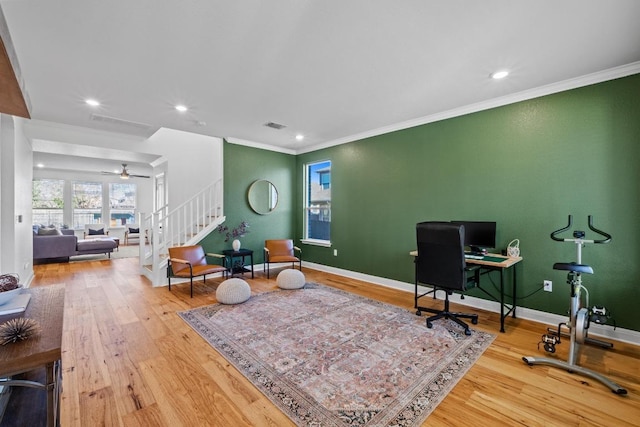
295 248
180 261
211 254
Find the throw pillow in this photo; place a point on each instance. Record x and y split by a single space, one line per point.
134 230
96 232
48 232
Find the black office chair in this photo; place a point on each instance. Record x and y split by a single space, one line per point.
440 264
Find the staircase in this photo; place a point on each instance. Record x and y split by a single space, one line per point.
185 225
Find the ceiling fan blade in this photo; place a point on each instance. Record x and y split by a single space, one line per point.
125 173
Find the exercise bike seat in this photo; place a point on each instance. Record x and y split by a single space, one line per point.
572 266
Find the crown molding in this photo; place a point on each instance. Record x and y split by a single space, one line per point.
562 86
259 145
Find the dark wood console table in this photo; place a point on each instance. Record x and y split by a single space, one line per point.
42 350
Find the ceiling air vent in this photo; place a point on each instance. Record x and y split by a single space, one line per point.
274 125
119 122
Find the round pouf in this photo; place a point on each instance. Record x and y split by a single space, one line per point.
233 291
290 279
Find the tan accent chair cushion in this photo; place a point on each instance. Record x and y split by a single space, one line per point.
280 250
195 256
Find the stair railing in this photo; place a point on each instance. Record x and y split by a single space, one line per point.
187 224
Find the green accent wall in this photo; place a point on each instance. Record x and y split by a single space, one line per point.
243 166
526 165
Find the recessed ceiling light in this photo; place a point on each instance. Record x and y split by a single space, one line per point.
499 74
299 137
40 165
181 108
92 102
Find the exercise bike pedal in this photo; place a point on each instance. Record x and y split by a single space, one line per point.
549 342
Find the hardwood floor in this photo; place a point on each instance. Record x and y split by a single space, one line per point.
129 360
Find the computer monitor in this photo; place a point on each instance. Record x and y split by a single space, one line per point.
479 235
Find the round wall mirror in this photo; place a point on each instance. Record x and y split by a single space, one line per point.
263 197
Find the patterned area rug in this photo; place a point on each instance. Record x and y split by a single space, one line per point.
326 357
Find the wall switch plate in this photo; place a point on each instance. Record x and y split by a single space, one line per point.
547 285
335 252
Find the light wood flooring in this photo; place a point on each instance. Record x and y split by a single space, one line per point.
129 360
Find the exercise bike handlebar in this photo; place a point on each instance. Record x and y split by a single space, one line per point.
607 236
555 233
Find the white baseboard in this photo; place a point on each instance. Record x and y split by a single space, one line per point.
27 282
549 319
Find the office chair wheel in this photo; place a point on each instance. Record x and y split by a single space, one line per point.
418 313
467 331
474 320
429 325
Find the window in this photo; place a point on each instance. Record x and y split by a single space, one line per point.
87 203
48 202
122 202
317 209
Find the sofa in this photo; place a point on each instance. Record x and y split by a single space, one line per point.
52 244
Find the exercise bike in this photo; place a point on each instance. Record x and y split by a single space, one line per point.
579 317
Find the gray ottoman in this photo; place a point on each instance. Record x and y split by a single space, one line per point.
290 279
96 246
233 291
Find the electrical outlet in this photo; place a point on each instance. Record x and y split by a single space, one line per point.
547 285
335 252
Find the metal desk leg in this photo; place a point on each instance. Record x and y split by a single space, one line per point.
58 390
52 386
501 301
513 314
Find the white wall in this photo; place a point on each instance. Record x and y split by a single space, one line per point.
193 162
16 243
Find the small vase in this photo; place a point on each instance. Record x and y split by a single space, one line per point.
235 245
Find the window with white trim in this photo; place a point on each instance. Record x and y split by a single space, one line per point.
87 203
48 202
122 203
317 202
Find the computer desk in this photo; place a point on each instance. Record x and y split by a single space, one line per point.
495 262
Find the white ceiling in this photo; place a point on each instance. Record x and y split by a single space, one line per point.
333 70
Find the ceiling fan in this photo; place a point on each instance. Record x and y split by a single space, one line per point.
125 173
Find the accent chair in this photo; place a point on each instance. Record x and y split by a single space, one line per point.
280 251
95 231
191 261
